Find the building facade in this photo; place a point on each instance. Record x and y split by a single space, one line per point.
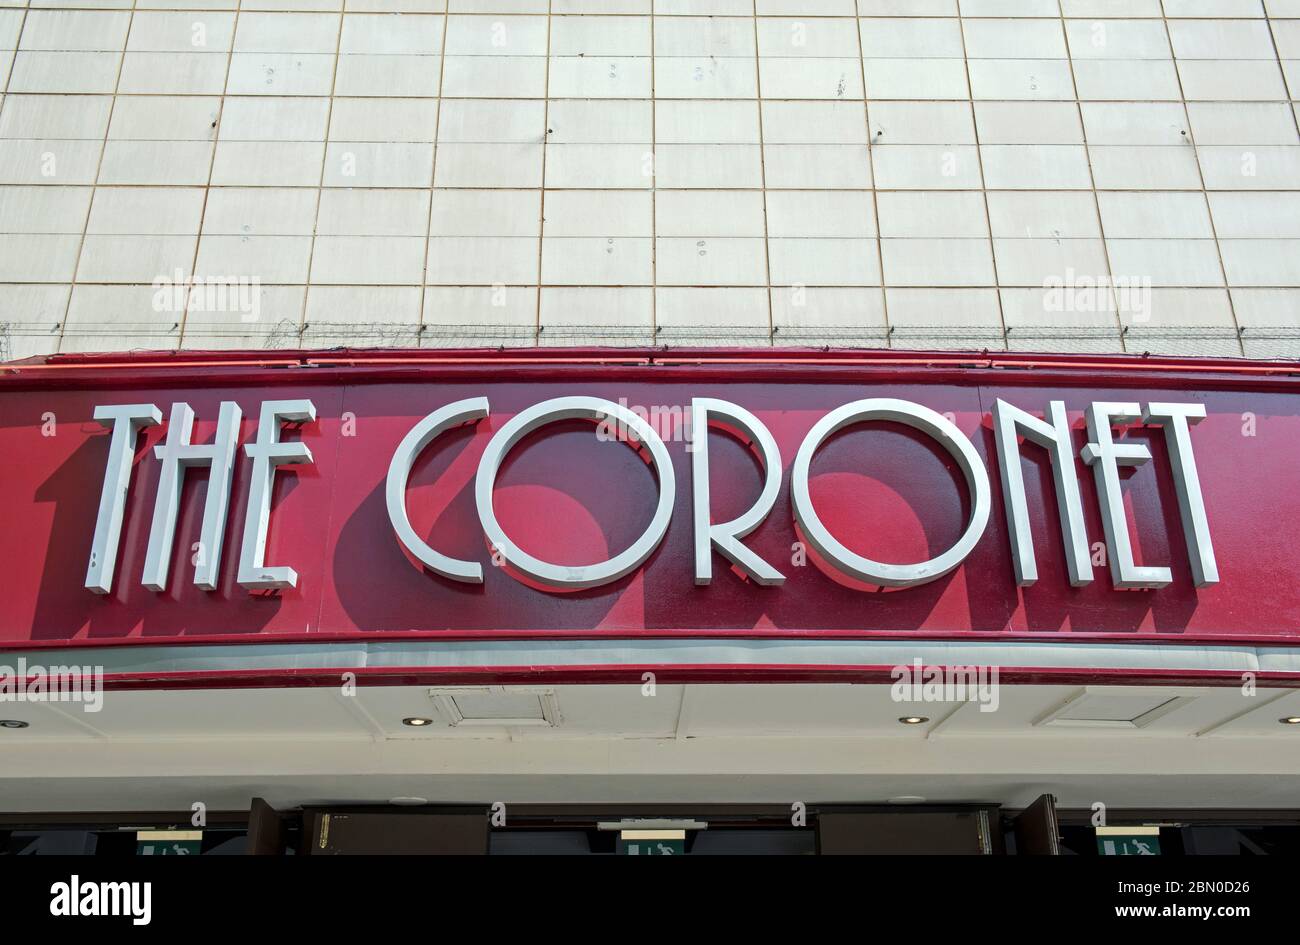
870 173
307 310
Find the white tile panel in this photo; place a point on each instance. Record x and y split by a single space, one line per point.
883 171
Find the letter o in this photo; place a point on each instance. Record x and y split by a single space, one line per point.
552 411
928 422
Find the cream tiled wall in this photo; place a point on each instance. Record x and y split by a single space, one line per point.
910 173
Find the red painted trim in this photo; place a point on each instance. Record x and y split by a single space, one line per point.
667 675
770 365
694 355
489 636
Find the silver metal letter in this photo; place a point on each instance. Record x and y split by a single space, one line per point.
726 537
177 454
570 408
125 421
399 471
267 452
1176 419
1008 423
928 422
1105 456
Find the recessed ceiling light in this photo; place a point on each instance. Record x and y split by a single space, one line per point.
914 720
408 801
1290 720
13 723
907 799
416 721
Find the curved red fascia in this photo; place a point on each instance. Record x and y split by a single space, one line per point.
703 673
382 364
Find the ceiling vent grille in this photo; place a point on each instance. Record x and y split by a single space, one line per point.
497 706
1112 707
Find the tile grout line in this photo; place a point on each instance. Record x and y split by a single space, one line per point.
762 171
654 188
74 7
18 42
979 163
871 166
320 189
1200 175
1295 119
99 170
433 173
541 187
6 351
855 190
36 93
1092 177
207 190
643 285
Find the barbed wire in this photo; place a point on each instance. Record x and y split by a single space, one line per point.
23 339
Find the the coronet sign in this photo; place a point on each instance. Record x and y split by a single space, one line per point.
558 495
1015 426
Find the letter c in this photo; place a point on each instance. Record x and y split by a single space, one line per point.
399 471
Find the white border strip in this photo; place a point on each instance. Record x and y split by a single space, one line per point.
526 654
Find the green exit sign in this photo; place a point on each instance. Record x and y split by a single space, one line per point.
651 847
1128 844
168 842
